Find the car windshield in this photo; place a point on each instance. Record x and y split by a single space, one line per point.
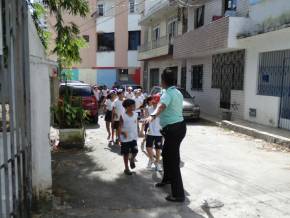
185 93
82 91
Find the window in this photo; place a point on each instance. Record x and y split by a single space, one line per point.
101 10
132 6
156 33
199 17
196 77
106 42
172 29
134 40
230 5
123 75
87 38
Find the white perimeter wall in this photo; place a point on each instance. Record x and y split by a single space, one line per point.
269 8
106 59
208 98
40 113
267 107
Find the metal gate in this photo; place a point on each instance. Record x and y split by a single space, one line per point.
284 120
226 87
15 146
274 80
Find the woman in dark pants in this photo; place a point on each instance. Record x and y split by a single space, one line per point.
174 131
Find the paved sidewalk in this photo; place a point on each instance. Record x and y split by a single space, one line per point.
225 175
267 133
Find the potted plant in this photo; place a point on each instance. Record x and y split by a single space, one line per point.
70 118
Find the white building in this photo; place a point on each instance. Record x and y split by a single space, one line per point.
161 23
227 68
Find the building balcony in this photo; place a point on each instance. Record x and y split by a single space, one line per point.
157 11
154 49
218 36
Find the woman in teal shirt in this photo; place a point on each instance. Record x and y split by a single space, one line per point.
174 131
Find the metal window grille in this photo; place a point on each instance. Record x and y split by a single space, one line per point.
15 146
236 62
196 77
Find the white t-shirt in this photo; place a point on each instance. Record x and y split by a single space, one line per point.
109 104
105 92
138 101
130 95
97 94
130 126
118 108
154 127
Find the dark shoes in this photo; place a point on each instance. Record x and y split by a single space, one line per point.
174 199
128 172
161 184
132 163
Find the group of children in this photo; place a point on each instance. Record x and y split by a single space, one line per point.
124 111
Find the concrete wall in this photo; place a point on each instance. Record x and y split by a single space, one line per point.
133 59
268 8
87 26
121 34
208 98
133 22
163 63
40 113
106 59
267 106
105 24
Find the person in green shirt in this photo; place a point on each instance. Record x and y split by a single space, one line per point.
173 130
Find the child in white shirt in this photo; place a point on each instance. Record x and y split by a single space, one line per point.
118 110
154 137
128 134
108 108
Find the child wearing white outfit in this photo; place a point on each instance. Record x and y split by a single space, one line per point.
128 134
118 110
154 137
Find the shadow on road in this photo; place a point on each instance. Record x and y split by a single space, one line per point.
112 147
199 122
78 181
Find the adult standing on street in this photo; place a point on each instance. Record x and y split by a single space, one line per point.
173 130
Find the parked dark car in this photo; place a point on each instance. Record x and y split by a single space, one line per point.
191 110
85 92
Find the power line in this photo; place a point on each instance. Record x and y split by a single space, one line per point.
111 17
105 12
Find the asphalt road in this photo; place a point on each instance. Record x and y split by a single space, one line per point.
225 175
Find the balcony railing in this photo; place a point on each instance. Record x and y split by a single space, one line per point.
160 42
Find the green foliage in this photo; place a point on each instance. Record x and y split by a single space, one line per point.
68 45
66 74
68 41
38 13
68 114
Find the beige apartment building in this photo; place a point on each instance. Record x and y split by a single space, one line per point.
113 36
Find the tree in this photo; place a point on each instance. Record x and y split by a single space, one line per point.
68 42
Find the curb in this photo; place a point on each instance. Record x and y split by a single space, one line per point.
268 137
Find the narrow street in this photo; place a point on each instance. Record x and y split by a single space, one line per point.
236 175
